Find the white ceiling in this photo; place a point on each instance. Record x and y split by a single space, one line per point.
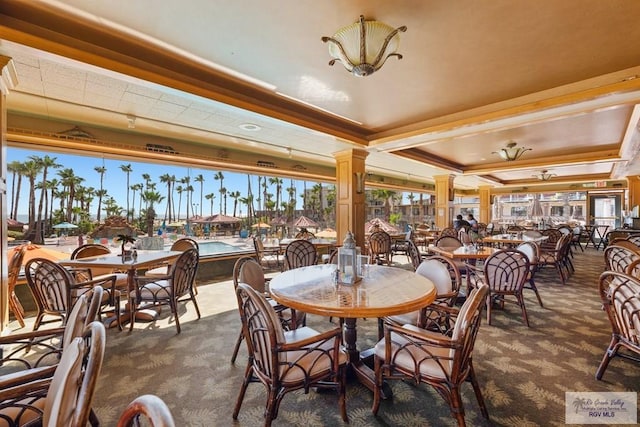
557 77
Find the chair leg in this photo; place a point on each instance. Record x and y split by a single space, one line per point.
477 391
116 311
248 373
173 305
377 386
455 402
132 313
489 304
236 348
195 303
341 380
520 299
38 321
532 285
17 309
608 355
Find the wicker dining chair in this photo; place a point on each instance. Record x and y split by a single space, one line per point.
15 264
148 407
65 399
505 272
247 270
380 248
169 290
54 290
442 361
95 249
532 251
620 295
445 276
33 349
283 365
620 258
300 253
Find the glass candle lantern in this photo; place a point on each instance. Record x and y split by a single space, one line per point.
348 260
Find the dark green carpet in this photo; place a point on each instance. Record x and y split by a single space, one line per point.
524 372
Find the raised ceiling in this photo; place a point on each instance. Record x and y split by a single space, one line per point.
559 77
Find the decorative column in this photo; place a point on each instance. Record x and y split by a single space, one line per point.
8 79
485 204
444 200
634 191
350 200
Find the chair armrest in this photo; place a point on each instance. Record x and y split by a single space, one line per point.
143 280
107 282
324 336
439 318
46 333
30 349
415 334
25 377
79 271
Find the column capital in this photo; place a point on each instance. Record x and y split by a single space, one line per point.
9 75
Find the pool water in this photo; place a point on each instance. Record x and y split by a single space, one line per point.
214 248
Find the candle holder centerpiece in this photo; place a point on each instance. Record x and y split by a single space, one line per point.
348 253
126 245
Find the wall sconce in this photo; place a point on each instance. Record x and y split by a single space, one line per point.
511 152
359 182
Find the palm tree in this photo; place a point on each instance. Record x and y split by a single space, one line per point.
179 190
147 181
411 197
388 199
317 198
249 199
69 181
44 163
186 180
264 193
53 186
31 170
168 180
210 197
220 177
16 168
100 193
278 183
223 194
200 179
111 207
134 188
234 195
127 169
259 198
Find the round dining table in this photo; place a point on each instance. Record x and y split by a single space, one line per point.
382 291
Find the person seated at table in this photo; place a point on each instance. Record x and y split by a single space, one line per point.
472 222
305 234
458 223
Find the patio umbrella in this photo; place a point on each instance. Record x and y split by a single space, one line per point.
327 233
370 225
536 208
35 251
222 219
261 225
65 226
304 222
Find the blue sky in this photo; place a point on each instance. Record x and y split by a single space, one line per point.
115 180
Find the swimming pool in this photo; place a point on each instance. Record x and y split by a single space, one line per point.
216 248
